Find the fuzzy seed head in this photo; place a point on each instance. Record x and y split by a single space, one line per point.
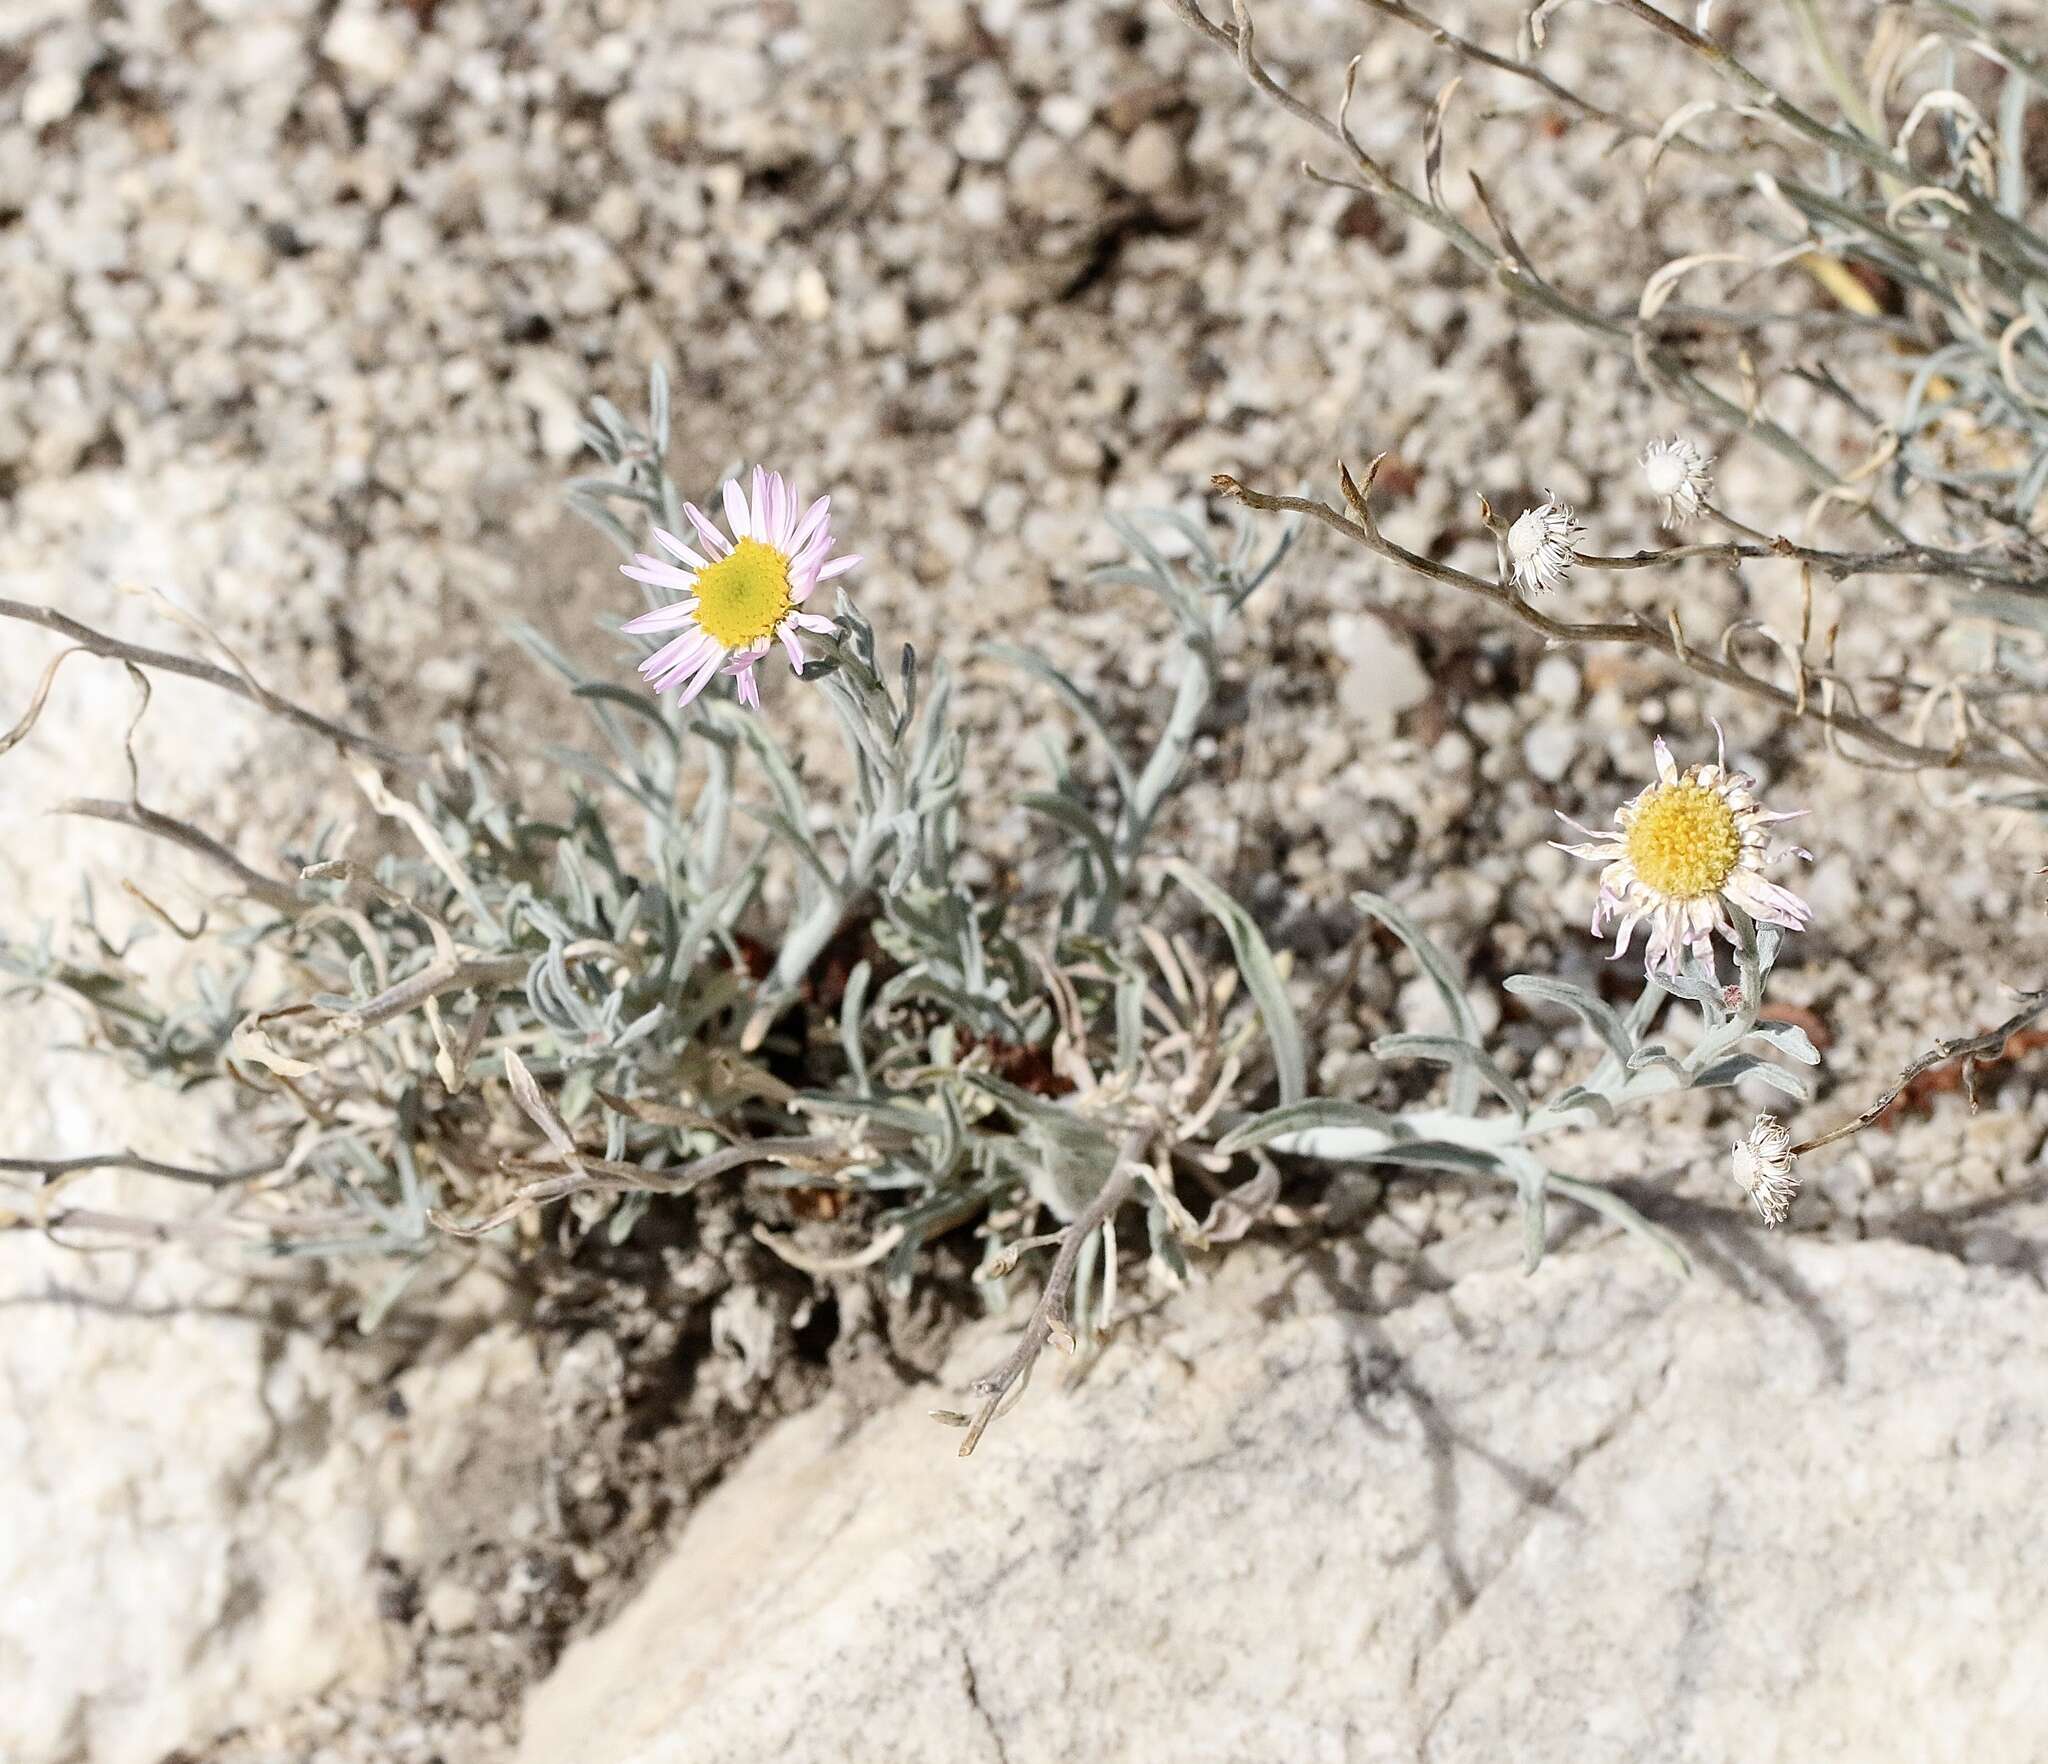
1543 544
1763 1168
1680 476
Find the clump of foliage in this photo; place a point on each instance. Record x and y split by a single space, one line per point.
693 968
688 965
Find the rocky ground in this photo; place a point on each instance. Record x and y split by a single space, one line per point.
298 304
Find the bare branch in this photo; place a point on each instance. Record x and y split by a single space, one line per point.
52 1168
1048 1316
1970 1049
267 889
139 656
1970 759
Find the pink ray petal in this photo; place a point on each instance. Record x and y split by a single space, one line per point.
784 500
674 657
680 550
738 516
807 529
657 574
702 678
663 618
719 544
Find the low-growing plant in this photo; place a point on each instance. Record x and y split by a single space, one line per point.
684 961
690 968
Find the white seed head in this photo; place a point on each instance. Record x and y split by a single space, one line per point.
1763 1166
1680 476
1543 544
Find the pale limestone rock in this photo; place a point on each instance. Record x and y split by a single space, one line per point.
1787 1510
187 1542
1382 676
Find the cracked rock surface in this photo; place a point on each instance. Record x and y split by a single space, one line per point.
1614 1515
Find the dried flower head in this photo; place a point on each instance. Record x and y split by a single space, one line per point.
1543 544
741 594
1680 476
1763 1165
1686 850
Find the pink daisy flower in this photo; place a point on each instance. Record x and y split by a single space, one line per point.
740 595
1687 849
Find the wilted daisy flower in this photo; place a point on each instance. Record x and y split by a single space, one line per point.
740 594
1543 544
1763 1165
1686 850
1680 476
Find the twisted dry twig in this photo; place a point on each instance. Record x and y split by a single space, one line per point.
1048 1316
1970 1049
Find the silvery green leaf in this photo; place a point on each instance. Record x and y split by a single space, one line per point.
632 1208
1074 819
1699 990
1579 1097
1196 538
1789 1039
1130 1021
812 870
2009 606
1253 577
1737 1067
386 1296
638 703
1436 1154
1610 1205
1312 1115
1657 1057
1165 1245
853 1007
1644 1011
890 1119
1261 978
1596 1013
1532 1181
1443 975
1445 1050
1076 701
1076 1156
657 406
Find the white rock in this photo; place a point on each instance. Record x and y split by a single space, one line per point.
1550 747
51 97
1784 1511
187 1545
368 42
451 1607
1556 681
1151 158
985 131
1382 677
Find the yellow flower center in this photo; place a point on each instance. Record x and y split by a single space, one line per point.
1683 841
744 595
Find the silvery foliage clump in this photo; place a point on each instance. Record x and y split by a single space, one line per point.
684 963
